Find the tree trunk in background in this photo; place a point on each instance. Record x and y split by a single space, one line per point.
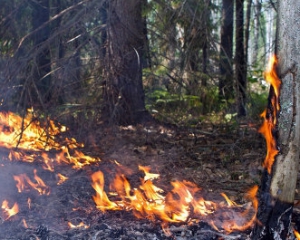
205 56
257 15
278 198
103 37
246 39
146 58
240 65
123 90
41 92
226 72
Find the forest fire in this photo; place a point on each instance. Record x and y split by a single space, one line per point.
270 117
29 141
182 204
23 183
26 134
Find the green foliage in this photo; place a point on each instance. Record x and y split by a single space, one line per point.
258 93
182 108
257 104
161 98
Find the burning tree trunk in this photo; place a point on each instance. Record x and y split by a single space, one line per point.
279 179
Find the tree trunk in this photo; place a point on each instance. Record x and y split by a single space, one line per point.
257 15
240 65
123 90
226 72
41 93
278 185
246 39
103 37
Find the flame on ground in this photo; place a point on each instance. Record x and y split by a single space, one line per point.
183 203
270 117
18 134
80 225
23 183
178 205
9 212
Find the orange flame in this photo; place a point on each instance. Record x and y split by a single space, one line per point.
80 225
297 234
270 119
62 178
28 134
23 181
24 223
29 202
178 205
9 212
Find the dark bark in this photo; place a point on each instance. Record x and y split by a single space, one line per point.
123 89
146 58
103 37
240 65
274 216
41 94
226 71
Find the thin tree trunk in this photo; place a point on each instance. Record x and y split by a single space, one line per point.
103 37
246 40
226 71
240 65
257 13
42 65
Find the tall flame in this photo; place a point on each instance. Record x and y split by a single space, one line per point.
270 116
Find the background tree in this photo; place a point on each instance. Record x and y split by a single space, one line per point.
226 89
123 90
180 67
256 29
240 64
41 81
279 180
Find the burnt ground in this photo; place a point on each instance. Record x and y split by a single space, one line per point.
217 158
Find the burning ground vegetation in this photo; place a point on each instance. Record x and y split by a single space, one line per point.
144 182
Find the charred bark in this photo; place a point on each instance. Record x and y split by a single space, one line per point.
274 215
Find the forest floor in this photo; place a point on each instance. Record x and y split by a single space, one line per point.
217 158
